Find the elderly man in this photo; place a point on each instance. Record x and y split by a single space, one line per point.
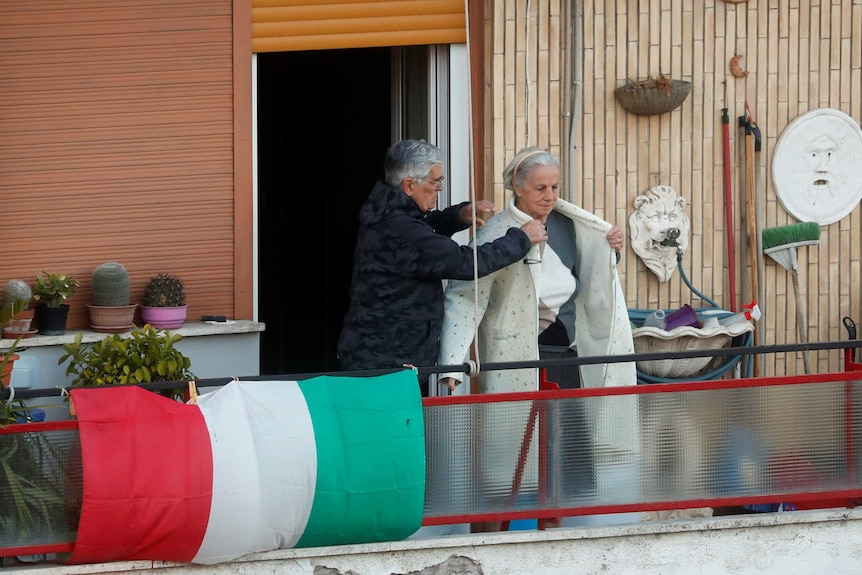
403 252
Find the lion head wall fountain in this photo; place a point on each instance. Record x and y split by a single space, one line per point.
660 230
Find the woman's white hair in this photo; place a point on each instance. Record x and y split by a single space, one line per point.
522 164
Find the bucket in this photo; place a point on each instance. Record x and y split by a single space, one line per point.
683 316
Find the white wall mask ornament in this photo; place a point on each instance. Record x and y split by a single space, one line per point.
815 169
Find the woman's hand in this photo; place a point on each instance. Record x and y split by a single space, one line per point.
449 382
485 210
616 239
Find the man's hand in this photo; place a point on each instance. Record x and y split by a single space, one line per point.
536 231
485 210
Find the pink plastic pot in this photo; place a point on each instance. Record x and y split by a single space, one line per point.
164 317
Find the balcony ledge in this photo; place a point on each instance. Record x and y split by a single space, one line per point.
189 329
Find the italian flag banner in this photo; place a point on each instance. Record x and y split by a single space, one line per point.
253 466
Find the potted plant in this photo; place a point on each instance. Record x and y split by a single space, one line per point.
19 325
31 479
164 302
29 465
146 355
111 311
652 96
52 290
8 310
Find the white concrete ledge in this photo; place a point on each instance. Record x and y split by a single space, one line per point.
822 541
189 329
215 349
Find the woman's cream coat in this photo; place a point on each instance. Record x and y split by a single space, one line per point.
507 309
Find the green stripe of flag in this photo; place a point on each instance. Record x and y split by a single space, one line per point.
370 439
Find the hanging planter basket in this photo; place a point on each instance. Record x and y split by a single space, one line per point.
653 96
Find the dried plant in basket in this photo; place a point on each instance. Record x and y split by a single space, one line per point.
653 95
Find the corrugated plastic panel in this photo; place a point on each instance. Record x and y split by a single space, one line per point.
570 453
41 487
595 454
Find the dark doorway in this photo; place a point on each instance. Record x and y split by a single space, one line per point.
323 128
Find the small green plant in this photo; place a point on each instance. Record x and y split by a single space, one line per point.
145 355
8 310
32 468
111 285
35 503
164 290
53 289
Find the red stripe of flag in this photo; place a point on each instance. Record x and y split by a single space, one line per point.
148 475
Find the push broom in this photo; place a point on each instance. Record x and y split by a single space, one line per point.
780 244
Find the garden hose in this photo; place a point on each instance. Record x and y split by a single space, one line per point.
637 317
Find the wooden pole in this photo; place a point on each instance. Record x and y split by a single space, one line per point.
758 226
751 226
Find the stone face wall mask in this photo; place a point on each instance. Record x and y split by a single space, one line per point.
815 169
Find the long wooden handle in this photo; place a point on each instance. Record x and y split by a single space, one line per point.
761 265
751 226
801 322
751 214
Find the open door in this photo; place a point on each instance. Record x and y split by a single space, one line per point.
324 121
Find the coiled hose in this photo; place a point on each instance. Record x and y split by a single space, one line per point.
637 317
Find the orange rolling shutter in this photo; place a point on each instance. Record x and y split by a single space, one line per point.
291 25
124 136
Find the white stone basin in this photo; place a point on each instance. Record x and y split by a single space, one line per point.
683 338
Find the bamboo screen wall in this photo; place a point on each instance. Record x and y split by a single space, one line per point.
801 55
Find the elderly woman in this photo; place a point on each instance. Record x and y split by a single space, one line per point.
562 300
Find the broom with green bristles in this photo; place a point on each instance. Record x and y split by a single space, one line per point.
780 244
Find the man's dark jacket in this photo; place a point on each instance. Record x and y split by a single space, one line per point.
396 295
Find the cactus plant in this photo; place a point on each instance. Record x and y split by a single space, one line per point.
17 293
16 290
164 302
111 312
164 290
111 286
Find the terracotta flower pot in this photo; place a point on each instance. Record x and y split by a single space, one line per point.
112 319
164 317
20 325
6 373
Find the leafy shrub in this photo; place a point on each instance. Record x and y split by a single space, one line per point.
146 355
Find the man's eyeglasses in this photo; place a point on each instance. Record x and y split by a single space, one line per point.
438 182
